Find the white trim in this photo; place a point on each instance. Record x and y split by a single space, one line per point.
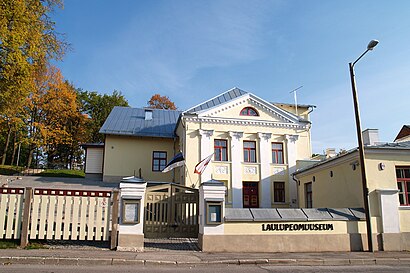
253 100
404 207
247 122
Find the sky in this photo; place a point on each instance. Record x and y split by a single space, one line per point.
192 51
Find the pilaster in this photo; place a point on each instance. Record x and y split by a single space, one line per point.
236 172
291 160
206 149
265 159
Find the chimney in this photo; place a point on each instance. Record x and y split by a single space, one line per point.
370 137
330 152
148 114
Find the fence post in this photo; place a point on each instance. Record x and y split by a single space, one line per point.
114 219
28 195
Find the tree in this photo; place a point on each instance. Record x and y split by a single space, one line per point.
54 119
97 107
27 41
161 102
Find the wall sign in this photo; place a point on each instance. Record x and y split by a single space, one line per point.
296 227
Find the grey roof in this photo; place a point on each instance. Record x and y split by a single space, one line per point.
131 122
220 99
380 146
293 214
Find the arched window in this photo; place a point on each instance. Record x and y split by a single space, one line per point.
249 111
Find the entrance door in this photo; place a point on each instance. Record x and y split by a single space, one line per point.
250 195
171 211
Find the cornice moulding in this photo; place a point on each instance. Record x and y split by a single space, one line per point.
264 123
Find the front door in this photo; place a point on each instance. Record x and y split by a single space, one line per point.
250 195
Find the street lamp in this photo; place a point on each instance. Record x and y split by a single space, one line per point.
370 46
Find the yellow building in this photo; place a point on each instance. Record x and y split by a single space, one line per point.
336 183
255 146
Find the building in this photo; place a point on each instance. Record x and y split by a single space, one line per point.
255 146
404 134
336 183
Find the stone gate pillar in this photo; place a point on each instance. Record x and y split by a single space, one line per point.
131 224
211 212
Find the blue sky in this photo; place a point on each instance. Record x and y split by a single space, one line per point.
194 50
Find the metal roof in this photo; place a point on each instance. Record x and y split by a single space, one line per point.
220 99
131 122
293 214
379 146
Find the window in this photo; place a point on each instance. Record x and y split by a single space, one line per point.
308 195
220 150
403 184
159 161
279 192
249 111
214 213
277 153
249 151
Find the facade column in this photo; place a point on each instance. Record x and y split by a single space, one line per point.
265 159
236 168
291 157
205 150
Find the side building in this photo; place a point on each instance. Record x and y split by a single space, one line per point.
254 144
336 183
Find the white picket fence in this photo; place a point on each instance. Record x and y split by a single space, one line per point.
55 214
11 209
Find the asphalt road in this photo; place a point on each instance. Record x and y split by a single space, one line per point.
201 269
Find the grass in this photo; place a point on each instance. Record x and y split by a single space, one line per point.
6 244
12 170
9 170
62 173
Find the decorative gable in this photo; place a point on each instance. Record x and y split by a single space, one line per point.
217 110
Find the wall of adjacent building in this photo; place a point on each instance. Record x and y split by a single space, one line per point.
125 155
344 189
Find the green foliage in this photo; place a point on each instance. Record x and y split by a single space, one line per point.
4 244
9 170
27 41
62 173
97 107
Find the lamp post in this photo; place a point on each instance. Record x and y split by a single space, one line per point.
370 46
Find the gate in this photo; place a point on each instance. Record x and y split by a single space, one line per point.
171 211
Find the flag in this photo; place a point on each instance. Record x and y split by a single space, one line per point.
201 166
177 161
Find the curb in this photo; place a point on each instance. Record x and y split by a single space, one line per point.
278 262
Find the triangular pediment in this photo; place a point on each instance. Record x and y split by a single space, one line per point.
229 105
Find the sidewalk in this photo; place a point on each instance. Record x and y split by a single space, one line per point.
192 258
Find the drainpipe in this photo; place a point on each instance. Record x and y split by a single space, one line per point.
297 187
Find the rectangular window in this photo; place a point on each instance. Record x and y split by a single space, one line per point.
279 192
403 185
277 153
249 151
308 195
159 161
220 149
